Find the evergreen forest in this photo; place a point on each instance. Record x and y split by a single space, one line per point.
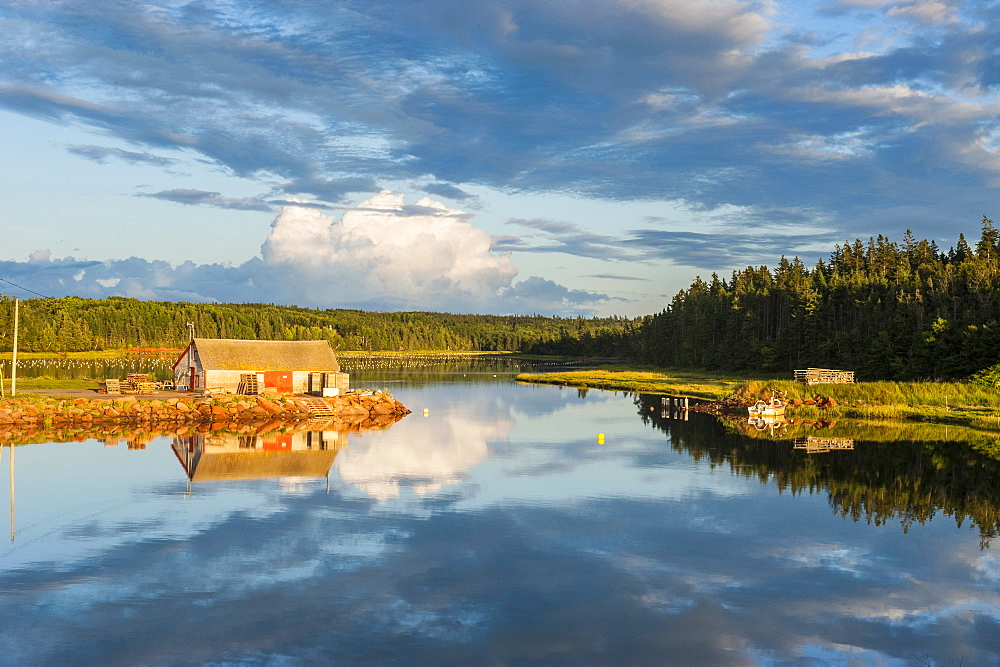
73 324
888 310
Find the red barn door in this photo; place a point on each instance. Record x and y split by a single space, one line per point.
280 380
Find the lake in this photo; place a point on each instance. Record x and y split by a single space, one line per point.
500 527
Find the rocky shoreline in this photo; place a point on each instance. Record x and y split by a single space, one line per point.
351 411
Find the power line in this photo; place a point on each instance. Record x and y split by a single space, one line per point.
25 289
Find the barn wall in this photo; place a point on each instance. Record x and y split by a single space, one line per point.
182 371
223 380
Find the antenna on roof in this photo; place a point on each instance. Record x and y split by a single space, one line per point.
190 326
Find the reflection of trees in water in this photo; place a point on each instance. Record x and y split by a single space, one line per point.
876 481
428 369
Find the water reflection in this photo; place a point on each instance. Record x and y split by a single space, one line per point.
870 471
499 530
436 452
304 451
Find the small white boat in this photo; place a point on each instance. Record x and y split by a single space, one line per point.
772 408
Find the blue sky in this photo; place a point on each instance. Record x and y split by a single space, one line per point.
552 157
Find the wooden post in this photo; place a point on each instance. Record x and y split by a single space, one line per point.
13 362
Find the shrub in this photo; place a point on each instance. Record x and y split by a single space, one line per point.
988 377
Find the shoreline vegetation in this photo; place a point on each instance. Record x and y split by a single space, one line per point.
955 403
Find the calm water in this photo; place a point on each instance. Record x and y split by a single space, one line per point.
496 529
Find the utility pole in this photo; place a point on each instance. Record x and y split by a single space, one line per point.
13 361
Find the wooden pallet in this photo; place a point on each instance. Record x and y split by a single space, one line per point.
812 376
248 385
109 387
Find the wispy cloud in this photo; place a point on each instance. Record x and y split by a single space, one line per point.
194 197
102 154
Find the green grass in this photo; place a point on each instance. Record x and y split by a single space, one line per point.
44 382
944 401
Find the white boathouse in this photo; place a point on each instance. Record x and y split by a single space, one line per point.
247 366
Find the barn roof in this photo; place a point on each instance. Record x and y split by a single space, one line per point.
266 355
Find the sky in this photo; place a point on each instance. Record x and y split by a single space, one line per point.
551 157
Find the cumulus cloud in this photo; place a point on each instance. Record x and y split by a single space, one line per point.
415 259
383 254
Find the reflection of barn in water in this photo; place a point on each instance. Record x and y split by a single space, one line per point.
212 457
814 445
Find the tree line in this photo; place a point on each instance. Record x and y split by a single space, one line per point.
887 310
72 324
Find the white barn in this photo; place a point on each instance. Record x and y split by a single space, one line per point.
290 367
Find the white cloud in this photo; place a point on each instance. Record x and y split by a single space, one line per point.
381 255
421 256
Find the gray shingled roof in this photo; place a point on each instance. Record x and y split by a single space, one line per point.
266 355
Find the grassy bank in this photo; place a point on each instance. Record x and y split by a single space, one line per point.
942 402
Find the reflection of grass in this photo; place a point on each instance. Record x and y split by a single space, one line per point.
680 383
871 430
983 439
